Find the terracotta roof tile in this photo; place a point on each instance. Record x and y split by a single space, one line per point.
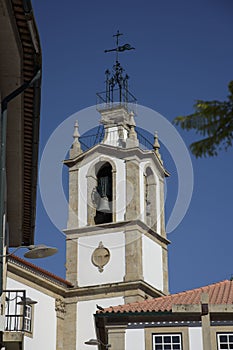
219 293
40 270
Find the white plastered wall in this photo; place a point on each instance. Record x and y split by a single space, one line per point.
44 325
195 338
152 262
85 324
114 271
135 339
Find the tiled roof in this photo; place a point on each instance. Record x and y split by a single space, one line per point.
39 270
219 293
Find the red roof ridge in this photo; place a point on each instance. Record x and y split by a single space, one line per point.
41 270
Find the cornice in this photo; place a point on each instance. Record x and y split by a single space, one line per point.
135 153
121 226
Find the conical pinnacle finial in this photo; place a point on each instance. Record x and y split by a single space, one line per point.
156 145
156 141
76 147
76 131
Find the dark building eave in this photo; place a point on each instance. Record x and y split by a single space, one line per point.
31 63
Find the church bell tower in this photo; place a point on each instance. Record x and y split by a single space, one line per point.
115 237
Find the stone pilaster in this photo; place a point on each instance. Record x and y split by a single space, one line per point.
72 261
132 191
70 325
165 270
73 198
205 322
133 255
60 313
116 337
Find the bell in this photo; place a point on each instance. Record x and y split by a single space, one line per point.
103 205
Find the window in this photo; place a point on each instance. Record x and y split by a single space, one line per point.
167 342
28 319
225 341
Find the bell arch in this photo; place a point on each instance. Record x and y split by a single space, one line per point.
101 192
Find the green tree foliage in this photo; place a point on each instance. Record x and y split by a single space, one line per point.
213 120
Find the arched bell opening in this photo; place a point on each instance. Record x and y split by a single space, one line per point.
104 195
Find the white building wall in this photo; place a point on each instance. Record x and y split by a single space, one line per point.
112 137
114 271
85 324
135 339
120 190
195 338
152 262
44 325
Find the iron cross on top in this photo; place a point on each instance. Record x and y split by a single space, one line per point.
122 47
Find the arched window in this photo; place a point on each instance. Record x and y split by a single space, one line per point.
104 195
101 192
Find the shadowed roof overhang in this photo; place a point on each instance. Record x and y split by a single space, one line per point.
23 119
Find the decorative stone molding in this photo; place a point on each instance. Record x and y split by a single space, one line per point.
100 257
60 308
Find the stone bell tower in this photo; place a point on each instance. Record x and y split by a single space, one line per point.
115 236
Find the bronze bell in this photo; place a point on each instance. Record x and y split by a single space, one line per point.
103 205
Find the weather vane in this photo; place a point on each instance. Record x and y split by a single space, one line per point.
119 48
117 82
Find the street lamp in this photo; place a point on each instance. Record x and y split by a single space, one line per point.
39 251
34 251
24 300
97 342
27 301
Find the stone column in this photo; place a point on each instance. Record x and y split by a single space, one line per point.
116 337
60 313
205 321
70 324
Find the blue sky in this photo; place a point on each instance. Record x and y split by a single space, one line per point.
184 52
